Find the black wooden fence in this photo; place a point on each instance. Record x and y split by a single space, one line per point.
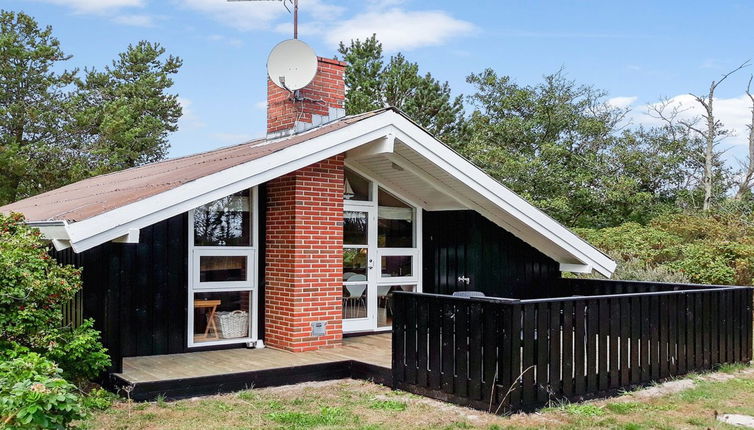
73 311
505 354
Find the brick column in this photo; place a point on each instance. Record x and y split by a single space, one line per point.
304 257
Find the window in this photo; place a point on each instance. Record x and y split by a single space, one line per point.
355 228
356 187
397 266
223 268
355 263
384 310
221 316
381 242
395 227
223 261
224 222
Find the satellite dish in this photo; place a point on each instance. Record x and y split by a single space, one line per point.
292 64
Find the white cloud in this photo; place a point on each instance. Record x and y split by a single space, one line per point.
241 15
135 20
95 6
112 9
399 29
734 113
261 105
322 11
189 120
621 102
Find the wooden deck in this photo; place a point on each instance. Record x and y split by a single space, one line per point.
207 372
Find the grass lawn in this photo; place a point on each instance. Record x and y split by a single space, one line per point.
350 404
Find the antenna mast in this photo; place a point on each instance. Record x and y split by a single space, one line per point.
293 3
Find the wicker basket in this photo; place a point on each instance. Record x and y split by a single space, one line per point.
233 324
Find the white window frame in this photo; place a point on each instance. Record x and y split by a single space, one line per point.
376 272
236 251
252 267
398 252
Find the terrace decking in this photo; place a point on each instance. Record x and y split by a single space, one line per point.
209 372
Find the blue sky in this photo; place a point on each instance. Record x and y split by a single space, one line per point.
638 51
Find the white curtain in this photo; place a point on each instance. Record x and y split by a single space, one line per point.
399 214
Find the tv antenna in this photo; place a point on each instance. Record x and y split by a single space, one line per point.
294 5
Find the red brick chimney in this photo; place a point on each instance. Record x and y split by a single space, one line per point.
304 231
319 102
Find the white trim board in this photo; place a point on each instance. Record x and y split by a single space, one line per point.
532 225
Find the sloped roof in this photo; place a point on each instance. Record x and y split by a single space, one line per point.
115 206
100 194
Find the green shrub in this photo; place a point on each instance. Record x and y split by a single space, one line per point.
99 399
721 263
634 241
33 395
637 270
79 352
33 288
715 248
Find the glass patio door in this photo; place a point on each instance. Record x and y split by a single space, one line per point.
359 246
381 244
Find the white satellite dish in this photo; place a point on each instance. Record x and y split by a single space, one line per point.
292 64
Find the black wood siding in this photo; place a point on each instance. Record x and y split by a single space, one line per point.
464 243
137 294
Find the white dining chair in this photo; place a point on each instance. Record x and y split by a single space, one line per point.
355 298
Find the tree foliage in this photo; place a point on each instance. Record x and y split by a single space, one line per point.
562 146
57 127
126 112
34 106
374 83
33 288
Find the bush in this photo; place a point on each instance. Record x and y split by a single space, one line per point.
635 241
699 248
34 395
33 288
99 399
79 352
633 269
720 263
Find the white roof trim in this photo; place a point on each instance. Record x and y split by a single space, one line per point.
118 222
504 198
113 224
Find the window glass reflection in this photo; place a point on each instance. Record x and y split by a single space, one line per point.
396 265
224 222
395 227
355 228
356 187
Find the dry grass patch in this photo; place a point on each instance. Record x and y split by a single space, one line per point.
344 404
350 404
